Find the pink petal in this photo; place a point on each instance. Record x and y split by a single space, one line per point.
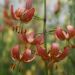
13 14
41 52
59 33
54 49
63 54
39 40
15 52
27 56
30 37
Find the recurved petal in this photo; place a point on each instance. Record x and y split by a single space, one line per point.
15 52
27 56
63 54
13 14
71 31
19 12
30 37
54 49
41 52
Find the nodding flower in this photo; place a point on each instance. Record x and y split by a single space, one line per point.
23 14
29 37
54 54
26 56
26 36
65 35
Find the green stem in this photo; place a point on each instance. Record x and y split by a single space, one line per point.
51 70
45 36
44 27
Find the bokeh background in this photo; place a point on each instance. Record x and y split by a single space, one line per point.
8 37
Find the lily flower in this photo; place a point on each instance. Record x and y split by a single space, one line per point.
23 14
65 35
26 56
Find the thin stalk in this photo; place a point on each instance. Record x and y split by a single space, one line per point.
45 36
44 27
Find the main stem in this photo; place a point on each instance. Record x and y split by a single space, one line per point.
45 37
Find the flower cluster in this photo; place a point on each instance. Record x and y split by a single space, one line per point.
32 41
22 14
28 38
54 54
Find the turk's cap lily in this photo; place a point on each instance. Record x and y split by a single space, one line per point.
26 56
61 34
56 54
23 14
29 37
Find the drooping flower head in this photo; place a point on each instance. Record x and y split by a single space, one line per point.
26 56
23 14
